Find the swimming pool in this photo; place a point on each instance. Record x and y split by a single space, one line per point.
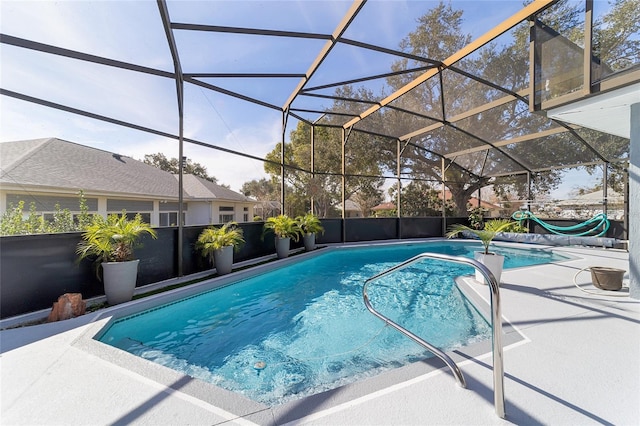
302 329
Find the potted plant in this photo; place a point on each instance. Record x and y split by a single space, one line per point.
219 243
285 229
309 225
493 261
112 241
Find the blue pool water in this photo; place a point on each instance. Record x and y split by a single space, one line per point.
302 329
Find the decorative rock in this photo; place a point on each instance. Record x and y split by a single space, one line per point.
69 305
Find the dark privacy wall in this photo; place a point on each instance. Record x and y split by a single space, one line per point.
36 269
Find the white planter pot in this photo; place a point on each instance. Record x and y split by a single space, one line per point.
493 262
282 247
309 241
119 280
223 259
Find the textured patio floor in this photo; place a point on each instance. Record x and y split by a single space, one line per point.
577 364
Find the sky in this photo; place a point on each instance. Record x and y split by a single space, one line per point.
131 31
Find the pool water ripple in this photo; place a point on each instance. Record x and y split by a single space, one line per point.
306 326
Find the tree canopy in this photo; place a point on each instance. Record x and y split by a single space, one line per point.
497 70
172 165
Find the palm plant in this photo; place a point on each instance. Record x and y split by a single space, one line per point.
309 224
486 235
113 239
283 226
212 238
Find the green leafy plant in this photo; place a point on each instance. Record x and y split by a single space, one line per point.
516 227
486 235
215 238
113 239
283 226
476 217
309 224
13 221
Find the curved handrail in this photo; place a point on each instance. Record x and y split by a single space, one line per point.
597 221
496 323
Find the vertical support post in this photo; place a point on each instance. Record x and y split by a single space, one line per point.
529 198
534 77
626 203
398 180
179 79
588 42
605 190
529 195
444 200
344 183
180 186
285 114
313 167
634 203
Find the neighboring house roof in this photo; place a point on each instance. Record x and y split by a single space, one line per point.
268 204
350 206
472 200
53 163
384 206
593 198
200 188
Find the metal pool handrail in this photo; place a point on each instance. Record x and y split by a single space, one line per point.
496 324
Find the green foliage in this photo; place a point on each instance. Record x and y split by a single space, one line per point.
386 213
476 217
309 224
62 221
505 63
283 226
420 199
172 165
13 221
261 190
362 154
215 238
84 218
113 239
516 227
486 235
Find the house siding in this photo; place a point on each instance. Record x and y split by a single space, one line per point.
47 203
129 205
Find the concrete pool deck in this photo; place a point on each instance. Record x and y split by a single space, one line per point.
578 363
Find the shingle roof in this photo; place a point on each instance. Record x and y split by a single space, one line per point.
197 187
57 163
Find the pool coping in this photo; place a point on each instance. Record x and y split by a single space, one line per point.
549 378
235 405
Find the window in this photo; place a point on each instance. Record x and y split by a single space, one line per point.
226 214
146 217
224 218
50 217
170 218
245 217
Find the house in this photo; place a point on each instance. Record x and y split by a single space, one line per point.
585 206
492 210
265 209
384 209
351 210
51 171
